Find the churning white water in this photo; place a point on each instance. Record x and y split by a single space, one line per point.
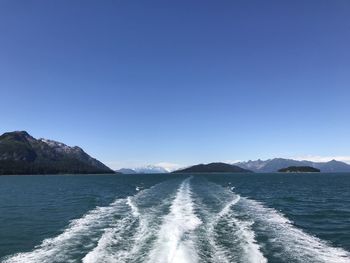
169 223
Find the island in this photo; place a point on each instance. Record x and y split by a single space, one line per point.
213 168
20 153
299 169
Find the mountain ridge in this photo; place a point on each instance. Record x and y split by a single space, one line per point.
273 165
21 153
261 166
216 167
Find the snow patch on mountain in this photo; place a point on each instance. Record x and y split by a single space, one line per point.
150 169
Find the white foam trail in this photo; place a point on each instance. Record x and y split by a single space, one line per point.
251 250
79 231
295 244
241 233
134 208
104 252
175 240
103 226
125 240
113 237
219 252
227 208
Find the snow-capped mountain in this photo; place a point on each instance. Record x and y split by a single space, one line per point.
20 153
148 169
59 146
151 169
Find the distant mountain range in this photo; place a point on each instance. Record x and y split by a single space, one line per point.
273 165
149 169
257 166
213 168
20 153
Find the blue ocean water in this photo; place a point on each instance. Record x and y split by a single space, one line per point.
175 218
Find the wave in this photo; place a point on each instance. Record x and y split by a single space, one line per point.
219 252
288 242
112 246
185 221
83 231
99 228
123 241
223 226
244 245
175 238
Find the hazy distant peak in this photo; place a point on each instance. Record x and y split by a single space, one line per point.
151 169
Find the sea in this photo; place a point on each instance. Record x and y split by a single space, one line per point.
175 218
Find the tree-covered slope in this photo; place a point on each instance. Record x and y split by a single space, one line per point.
213 168
21 153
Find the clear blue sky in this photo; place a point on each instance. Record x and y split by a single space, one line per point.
135 82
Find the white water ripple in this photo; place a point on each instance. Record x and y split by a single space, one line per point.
295 244
64 247
175 239
167 225
220 253
243 237
121 241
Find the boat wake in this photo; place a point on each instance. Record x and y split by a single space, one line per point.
288 242
175 238
185 221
